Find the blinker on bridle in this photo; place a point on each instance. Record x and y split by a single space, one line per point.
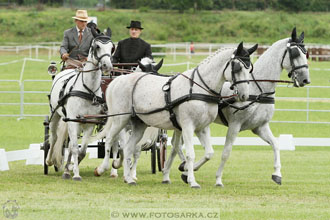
293 54
104 40
236 68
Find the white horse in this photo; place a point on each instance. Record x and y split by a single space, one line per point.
150 135
139 94
289 54
75 93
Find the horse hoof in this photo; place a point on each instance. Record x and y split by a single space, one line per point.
77 178
113 175
277 179
56 169
132 184
184 178
219 185
195 186
49 163
66 176
166 182
181 167
96 173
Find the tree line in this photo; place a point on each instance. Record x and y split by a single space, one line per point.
186 5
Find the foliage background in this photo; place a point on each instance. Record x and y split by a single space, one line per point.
29 25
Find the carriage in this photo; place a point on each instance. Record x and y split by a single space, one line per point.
157 149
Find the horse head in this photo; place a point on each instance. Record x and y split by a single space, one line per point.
148 65
295 60
101 50
237 71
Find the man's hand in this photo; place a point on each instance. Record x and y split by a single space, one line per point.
65 56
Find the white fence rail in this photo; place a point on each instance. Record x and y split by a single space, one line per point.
308 100
172 49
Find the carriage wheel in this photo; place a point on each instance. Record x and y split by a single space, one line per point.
153 159
46 143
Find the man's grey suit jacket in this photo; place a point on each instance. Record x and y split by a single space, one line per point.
70 43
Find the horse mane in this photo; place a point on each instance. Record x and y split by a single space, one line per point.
207 59
273 47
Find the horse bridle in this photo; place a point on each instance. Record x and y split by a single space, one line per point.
293 54
236 68
104 40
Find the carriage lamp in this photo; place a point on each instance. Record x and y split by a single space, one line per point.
52 69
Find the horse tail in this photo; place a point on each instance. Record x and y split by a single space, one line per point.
150 136
103 132
62 135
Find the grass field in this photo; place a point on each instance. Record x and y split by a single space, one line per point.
249 192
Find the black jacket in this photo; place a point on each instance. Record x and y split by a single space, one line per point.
131 50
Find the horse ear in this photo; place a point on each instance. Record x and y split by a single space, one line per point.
252 49
301 37
239 48
159 65
294 34
109 32
95 34
142 67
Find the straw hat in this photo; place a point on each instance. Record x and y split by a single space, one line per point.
81 15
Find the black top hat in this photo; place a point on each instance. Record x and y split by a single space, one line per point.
135 24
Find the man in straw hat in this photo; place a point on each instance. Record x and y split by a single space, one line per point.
77 40
132 49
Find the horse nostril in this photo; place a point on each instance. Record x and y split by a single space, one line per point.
243 97
306 81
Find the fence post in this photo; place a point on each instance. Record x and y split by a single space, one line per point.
174 53
37 51
49 53
30 50
3 160
22 101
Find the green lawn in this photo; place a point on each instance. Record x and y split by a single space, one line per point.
249 192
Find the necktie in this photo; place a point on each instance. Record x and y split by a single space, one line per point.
80 36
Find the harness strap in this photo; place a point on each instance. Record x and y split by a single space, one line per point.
167 95
262 99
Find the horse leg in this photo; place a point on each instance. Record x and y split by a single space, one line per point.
266 134
176 143
121 141
53 124
66 174
204 137
232 133
136 158
138 129
87 132
74 149
115 127
187 134
114 147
